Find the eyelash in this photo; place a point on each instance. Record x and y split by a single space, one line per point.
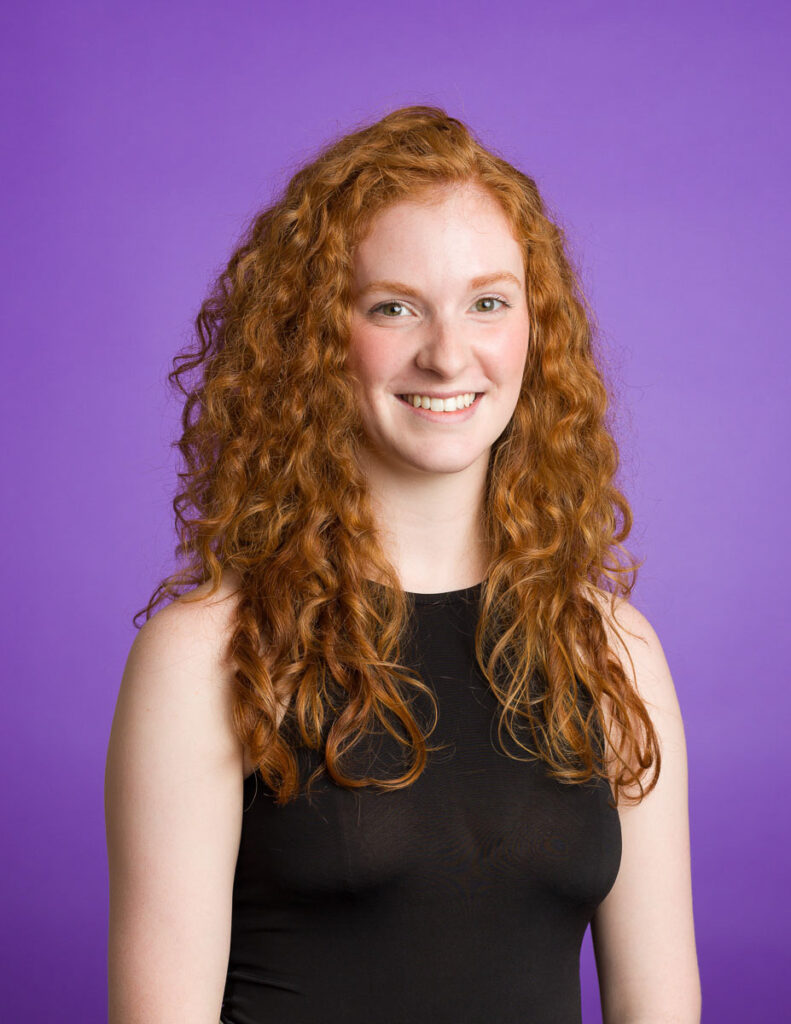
397 302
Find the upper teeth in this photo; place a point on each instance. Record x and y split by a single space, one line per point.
441 404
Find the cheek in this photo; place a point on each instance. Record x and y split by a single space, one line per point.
512 354
358 356
370 359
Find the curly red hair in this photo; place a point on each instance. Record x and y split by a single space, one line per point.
272 491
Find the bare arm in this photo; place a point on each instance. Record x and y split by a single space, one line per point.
173 807
643 931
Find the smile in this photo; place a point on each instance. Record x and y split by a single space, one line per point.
437 414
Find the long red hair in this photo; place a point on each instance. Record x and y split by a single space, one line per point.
272 491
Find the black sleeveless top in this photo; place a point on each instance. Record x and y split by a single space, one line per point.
461 899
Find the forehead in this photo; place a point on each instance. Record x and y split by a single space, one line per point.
466 230
435 207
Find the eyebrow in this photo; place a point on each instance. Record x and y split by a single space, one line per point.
477 282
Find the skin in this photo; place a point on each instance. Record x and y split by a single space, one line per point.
427 479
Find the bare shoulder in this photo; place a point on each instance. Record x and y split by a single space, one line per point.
194 628
635 643
178 670
175 692
209 614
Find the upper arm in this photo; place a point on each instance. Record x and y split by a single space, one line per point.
643 931
173 806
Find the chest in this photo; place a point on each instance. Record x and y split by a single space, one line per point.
476 819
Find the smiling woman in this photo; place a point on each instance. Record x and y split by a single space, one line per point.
402 526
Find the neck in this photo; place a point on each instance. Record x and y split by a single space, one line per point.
431 527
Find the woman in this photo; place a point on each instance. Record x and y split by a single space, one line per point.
400 517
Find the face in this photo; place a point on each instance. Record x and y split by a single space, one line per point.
439 310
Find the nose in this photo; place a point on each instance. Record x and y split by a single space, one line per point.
443 349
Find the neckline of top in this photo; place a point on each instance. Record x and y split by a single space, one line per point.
446 596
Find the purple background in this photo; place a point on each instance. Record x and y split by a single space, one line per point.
139 139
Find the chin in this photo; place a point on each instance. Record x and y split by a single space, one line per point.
452 463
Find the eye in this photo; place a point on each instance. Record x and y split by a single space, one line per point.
495 298
400 305
392 302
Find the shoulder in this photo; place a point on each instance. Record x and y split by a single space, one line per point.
634 641
195 626
202 609
176 686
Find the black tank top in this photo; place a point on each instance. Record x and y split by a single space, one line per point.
461 899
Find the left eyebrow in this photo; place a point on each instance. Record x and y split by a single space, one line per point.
477 282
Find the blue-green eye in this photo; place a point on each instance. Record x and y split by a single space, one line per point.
394 302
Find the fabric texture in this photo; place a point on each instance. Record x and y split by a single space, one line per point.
462 899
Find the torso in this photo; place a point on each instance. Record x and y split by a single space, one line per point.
483 854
